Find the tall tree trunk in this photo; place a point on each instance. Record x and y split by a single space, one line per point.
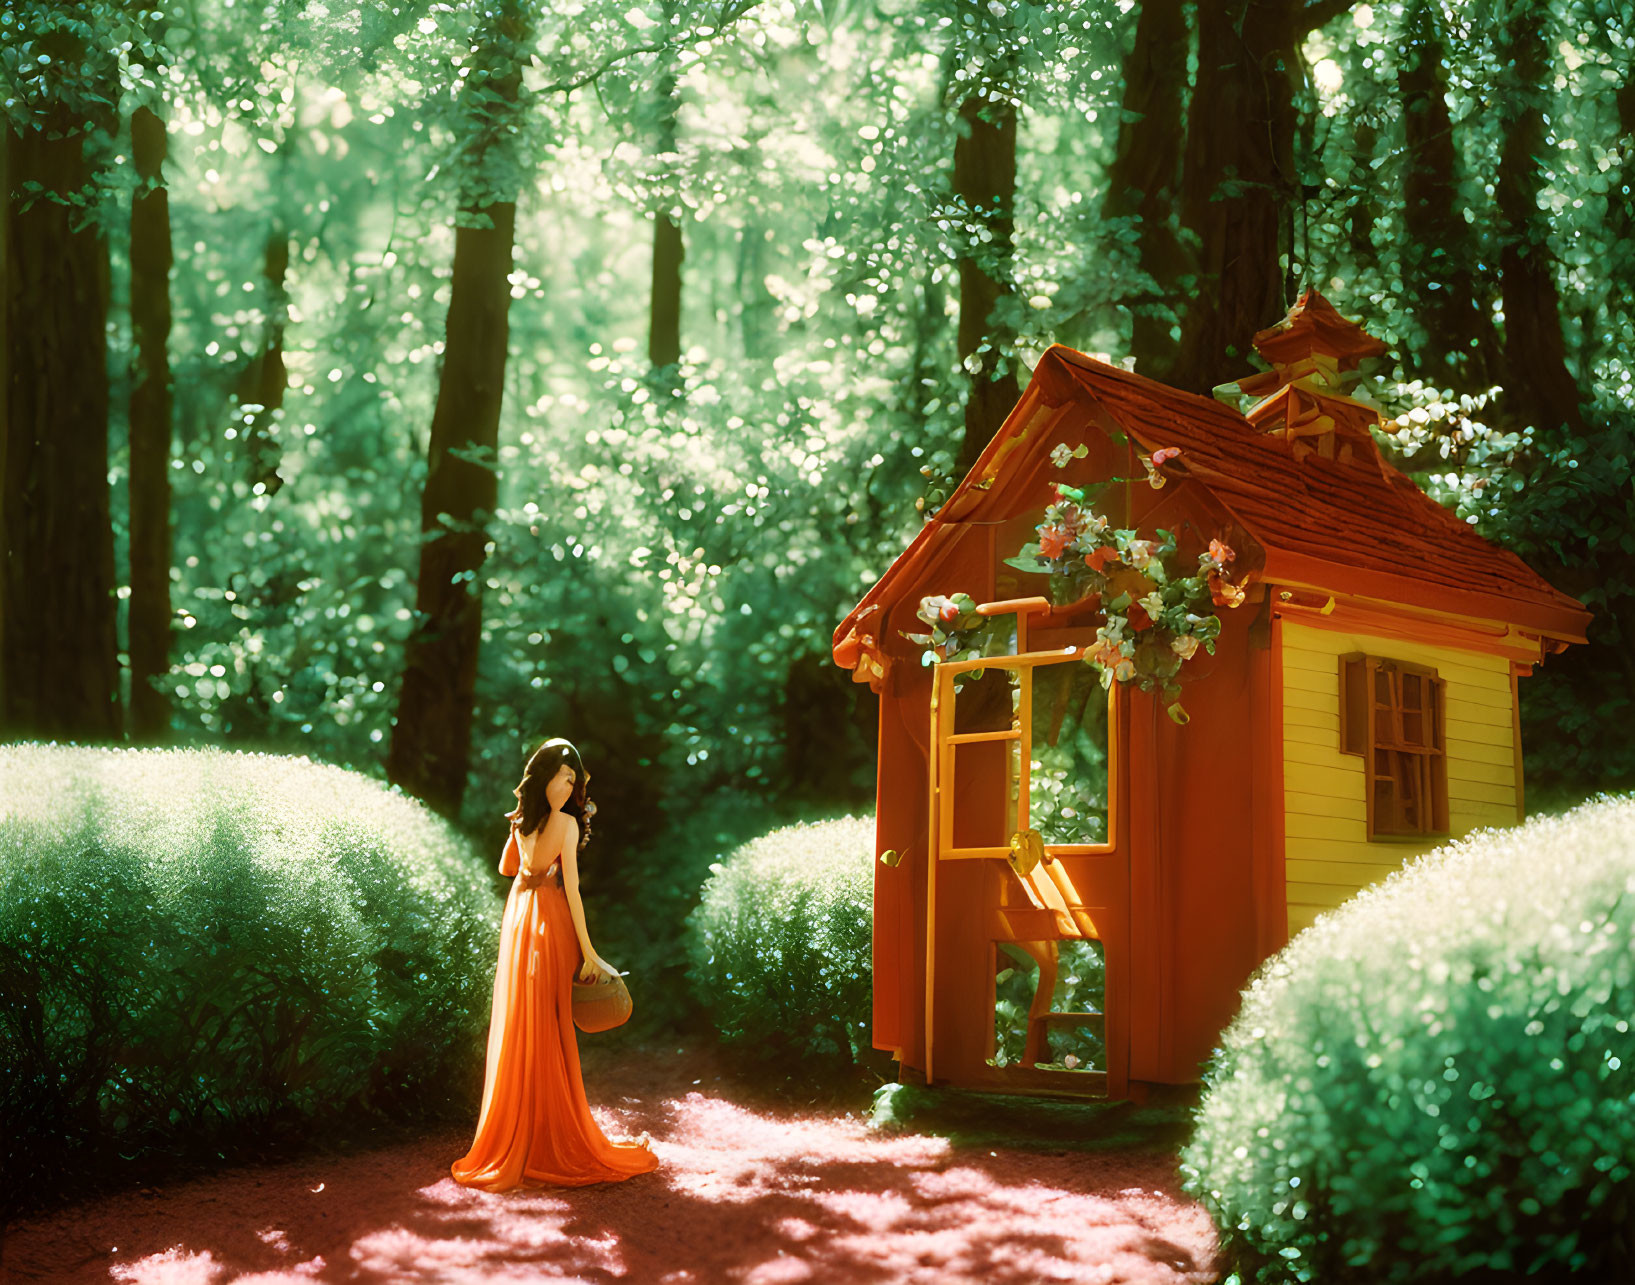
59 672
431 735
1239 179
664 320
150 432
985 181
1539 389
664 333
1143 180
1439 257
263 381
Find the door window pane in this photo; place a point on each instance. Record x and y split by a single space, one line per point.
986 703
1067 799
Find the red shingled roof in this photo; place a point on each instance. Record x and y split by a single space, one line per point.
1357 526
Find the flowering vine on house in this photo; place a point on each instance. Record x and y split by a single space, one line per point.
1157 612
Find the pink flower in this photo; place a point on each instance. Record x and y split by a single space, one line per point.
1157 460
1219 553
1184 646
1141 554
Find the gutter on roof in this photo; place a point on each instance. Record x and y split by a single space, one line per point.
1302 571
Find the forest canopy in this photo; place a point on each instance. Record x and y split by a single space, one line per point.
400 383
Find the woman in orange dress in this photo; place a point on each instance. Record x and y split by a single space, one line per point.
535 1127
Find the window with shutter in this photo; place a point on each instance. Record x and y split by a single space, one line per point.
1391 714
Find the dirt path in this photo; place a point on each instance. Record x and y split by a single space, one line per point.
762 1195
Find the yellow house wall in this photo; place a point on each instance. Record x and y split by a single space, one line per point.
1327 854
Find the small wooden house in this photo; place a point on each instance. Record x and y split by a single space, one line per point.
1359 708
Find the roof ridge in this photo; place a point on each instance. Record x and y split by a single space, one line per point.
1363 517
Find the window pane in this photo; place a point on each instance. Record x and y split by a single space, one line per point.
985 704
1385 813
1067 786
1408 774
984 797
1407 786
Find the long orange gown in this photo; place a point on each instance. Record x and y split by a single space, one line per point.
535 1127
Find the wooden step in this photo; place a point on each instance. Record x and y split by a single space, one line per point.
1045 1084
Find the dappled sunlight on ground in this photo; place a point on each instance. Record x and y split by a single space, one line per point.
763 1195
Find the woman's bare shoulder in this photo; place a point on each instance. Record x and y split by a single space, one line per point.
539 834
559 827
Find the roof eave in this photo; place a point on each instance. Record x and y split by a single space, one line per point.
1301 570
1054 383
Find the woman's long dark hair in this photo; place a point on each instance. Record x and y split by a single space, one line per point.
533 807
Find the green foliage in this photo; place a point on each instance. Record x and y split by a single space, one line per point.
1561 501
1436 1079
1081 985
638 896
780 946
959 632
1554 493
200 950
670 557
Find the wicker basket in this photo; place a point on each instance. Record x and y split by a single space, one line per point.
600 1005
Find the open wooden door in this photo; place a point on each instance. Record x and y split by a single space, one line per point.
1054 899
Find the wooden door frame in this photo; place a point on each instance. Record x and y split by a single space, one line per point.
940 764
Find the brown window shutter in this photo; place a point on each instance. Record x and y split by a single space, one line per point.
1355 684
1439 757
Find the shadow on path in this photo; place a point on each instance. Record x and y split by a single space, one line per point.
760 1195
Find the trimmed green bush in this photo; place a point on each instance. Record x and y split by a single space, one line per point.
780 945
1437 1078
198 947
638 898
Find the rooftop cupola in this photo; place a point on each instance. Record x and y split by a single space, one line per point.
1309 396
